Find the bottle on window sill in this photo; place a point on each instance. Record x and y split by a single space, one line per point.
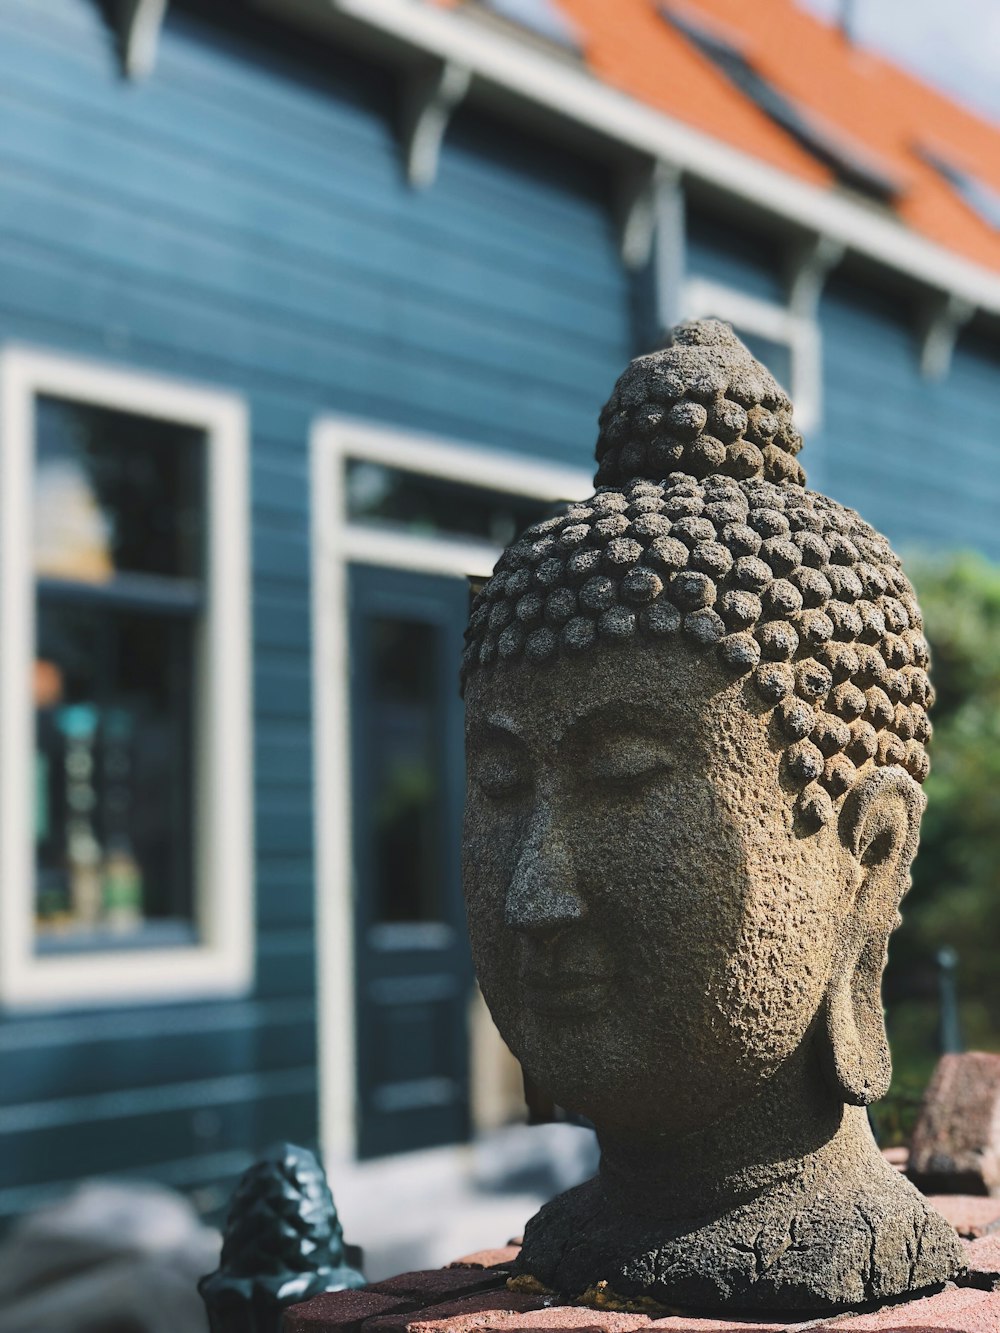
122 889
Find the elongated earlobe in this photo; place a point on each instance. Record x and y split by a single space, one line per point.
880 826
857 1048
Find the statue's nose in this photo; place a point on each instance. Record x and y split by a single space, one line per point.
543 897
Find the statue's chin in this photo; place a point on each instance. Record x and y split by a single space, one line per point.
646 1075
635 1109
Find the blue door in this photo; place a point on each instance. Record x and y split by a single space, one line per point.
413 970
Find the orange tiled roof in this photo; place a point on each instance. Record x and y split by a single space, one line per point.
874 104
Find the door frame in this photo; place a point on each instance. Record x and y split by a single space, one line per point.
335 543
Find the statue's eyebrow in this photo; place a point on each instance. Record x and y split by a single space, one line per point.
610 711
504 723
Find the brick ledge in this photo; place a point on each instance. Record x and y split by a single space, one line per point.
471 1295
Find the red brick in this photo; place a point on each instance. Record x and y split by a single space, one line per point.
955 1147
474 1312
428 1286
683 1323
983 1256
471 1312
497 1315
970 1214
954 1310
897 1157
343 1311
572 1319
500 1258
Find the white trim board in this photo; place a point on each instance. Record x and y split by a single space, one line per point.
222 963
502 62
336 543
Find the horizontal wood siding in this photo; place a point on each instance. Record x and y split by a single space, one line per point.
240 219
918 458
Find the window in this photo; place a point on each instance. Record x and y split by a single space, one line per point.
124 702
405 501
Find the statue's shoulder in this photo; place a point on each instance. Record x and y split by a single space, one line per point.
867 1237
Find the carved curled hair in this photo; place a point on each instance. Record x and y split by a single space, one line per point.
727 548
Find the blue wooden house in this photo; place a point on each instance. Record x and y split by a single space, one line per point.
305 307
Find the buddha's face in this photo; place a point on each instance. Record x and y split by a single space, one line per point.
652 934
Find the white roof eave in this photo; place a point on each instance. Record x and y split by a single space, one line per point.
573 93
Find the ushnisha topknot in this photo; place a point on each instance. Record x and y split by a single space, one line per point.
701 405
792 590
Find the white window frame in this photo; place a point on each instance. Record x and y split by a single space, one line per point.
221 963
337 542
704 297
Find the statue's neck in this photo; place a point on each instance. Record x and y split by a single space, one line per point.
797 1128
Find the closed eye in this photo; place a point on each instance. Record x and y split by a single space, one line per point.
501 770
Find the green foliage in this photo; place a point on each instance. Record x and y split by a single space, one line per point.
955 898
894 1117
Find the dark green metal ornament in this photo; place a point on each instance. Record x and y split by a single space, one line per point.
283 1244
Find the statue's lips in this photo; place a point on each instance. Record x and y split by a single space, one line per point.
564 991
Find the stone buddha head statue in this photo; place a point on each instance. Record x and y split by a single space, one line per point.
696 727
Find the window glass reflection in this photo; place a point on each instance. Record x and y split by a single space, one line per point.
118 512
113 773
428 505
115 493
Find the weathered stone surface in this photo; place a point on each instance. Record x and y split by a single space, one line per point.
897 1157
955 1147
971 1215
696 715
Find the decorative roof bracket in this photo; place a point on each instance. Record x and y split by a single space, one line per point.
809 267
809 264
429 98
941 321
646 196
635 211
139 24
